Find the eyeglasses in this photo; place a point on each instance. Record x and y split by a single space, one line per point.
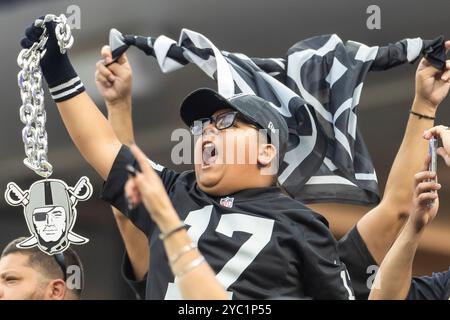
221 122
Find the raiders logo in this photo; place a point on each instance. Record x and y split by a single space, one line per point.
50 213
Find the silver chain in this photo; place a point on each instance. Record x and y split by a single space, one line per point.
32 111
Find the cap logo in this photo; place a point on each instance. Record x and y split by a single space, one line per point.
271 127
239 95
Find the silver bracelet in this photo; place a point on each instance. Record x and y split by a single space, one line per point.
164 236
183 251
191 266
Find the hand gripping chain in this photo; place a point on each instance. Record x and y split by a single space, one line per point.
32 111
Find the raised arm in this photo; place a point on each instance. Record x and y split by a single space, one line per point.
91 132
114 84
393 279
380 226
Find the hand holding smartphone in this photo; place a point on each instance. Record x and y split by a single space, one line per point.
432 147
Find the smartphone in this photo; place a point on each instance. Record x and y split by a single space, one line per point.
432 147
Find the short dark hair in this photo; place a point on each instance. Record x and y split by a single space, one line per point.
46 264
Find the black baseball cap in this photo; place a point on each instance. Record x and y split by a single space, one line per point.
202 103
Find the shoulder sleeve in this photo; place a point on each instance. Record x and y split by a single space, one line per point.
324 275
436 287
113 188
361 265
138 286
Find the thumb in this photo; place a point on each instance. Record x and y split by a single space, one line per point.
121 68
447 46
441 151
106 53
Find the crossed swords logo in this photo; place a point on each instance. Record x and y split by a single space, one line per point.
66 197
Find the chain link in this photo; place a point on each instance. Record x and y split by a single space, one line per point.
32 111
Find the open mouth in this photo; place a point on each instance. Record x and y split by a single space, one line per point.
209 153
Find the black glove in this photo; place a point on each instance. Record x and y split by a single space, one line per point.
61 77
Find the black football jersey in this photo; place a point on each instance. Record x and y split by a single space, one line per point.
360 264
260 243
138 286
434 287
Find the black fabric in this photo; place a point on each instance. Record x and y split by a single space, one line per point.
138 286
56 67
434 287
434 51
284 248
361 265
114 192
317 87
202 103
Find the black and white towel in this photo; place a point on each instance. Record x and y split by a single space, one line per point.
316 88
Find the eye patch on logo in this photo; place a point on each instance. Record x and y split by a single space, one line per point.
40 216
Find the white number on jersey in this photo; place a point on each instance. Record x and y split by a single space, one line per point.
259 228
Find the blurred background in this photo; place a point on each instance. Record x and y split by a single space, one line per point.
256 28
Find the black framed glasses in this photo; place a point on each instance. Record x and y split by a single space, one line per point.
221 122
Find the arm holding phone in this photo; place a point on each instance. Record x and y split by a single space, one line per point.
393 279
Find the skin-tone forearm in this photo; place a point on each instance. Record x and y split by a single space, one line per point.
199 283
393 279
120 118
91 132
381 225
136 243
410 156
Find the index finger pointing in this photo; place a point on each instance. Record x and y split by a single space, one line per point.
141 158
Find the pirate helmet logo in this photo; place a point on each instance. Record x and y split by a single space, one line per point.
50 213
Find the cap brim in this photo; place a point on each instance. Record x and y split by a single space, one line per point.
202 103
